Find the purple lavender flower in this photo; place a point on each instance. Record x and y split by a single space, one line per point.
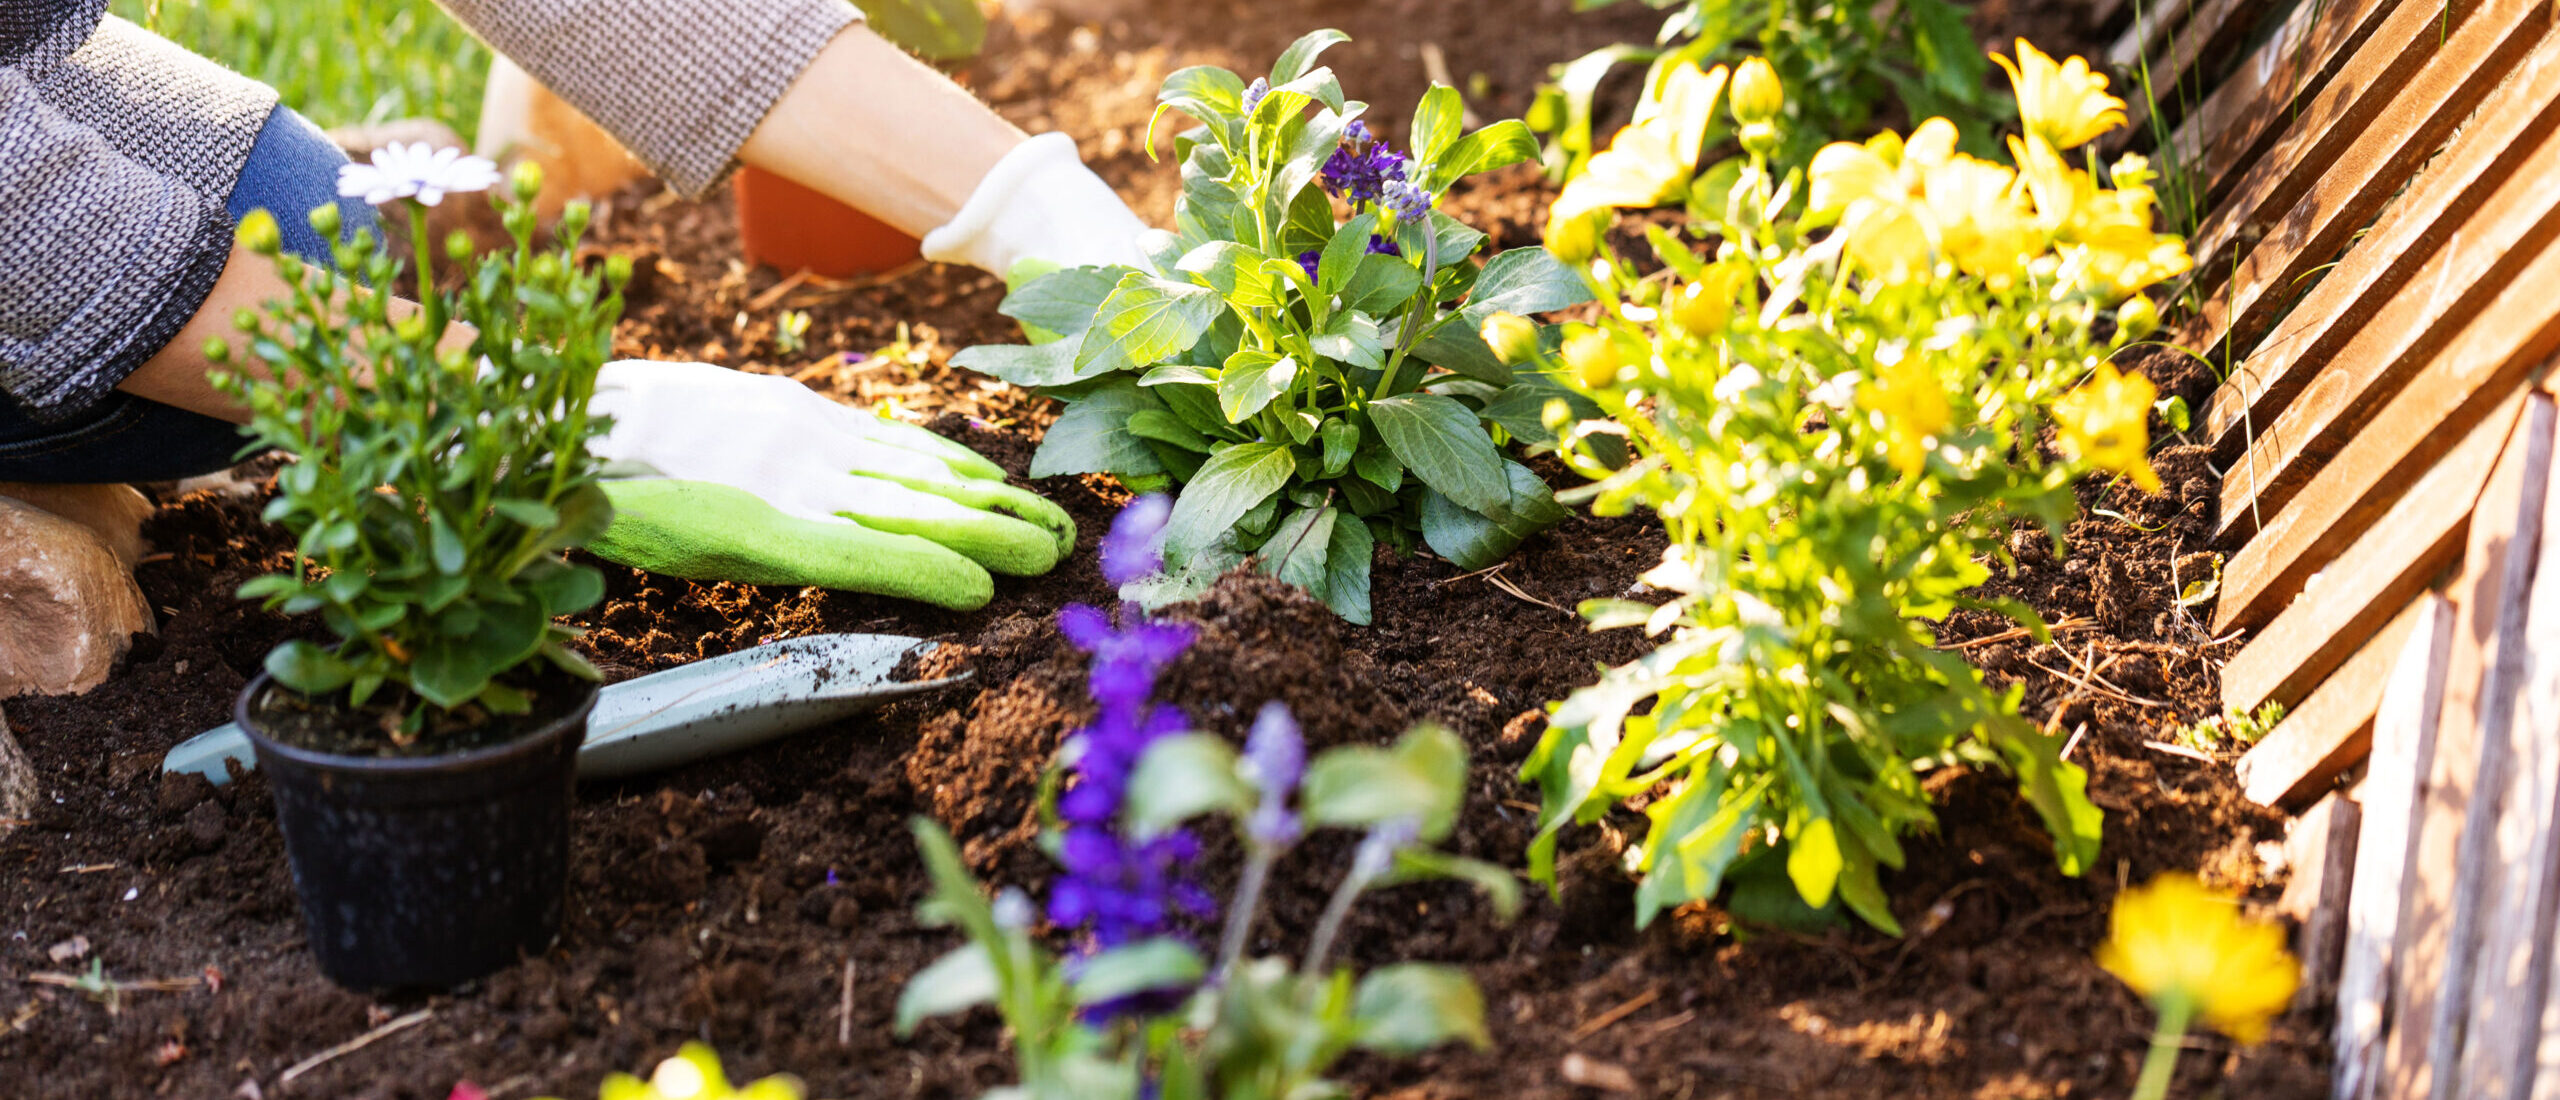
1406 201
1357 133
1360 170
1275 757
1253 94
1135 547
1310 259
1380 246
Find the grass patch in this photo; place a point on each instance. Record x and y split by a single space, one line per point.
337 61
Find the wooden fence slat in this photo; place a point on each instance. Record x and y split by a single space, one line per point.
2352 299
2152 22
2332 731
2404 738
2518 896
2206 39
2320 856
2438 934
2390 107
2274 87
2301 639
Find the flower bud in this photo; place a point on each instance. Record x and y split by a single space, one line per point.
617 270
545 271
458 246
245 319
217 350
2136 318
1701 310
1757 94
412 329
1760 139
573 219
1547 112
1555 414
527 182
1513 338
1593 355
258 233
325 220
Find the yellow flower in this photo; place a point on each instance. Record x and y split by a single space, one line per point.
1914 406
1757 94
1904 205
1646 164
2107 422
1593 355
694 1074
2066 104
1512 337
2176 942
1982 226
1705 307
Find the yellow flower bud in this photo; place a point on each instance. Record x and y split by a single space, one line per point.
1705 307
1757 94
1760 139
617 269
458 246
528 181
1593 355
2136 318
324 220
1512 337
258 233
412 329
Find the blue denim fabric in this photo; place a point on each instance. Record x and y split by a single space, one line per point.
292 168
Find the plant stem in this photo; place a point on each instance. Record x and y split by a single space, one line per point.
1329 926
2162 1063
1240 914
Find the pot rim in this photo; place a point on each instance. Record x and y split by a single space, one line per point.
531 743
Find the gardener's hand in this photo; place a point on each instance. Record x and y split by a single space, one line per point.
1040 205
726 475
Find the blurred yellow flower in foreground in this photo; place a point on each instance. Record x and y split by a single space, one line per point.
1914 406
2067 103
2108 422
1906 204
2187 949
1648 163
694 1074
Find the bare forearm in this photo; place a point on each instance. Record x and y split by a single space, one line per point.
179 374
882 132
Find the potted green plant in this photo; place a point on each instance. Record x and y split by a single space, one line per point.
423 761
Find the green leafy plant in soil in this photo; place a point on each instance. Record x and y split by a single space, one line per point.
338 61
1840 61
1835 404
432 489
1308 373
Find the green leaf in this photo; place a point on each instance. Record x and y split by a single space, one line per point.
1341 441
1029 366
1500 145
1233 271
1144 966
1381 285
1168 429
1298 549
443 544
2057 788
1473 540
1500 886
1145 321
1346 563
1063 301
1424 774
1205 92
957 982
1250 380
531 513
1526 281
1436 122
1408 1008
1182 777
1295 60
938 30
305 667
1444 444
1342 253
1351 338
1092 436
1378 466
1229 485
1814 860
1459 347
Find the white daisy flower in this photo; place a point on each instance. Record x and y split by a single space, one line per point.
416 171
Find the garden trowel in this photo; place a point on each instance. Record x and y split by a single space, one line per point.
692 711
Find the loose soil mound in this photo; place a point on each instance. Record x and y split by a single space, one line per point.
754 900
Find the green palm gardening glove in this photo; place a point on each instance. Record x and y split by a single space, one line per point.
758 479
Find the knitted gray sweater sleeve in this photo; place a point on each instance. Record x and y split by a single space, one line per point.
118 152
680 82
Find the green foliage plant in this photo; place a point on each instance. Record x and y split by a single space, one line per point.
1235 1028
1311 378
431 490
1835 385
1839 61
341 62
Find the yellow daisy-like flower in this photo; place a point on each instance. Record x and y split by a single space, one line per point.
2066 103
1915 410
2178 943
2107 422
694 1074
1880 190
1646 164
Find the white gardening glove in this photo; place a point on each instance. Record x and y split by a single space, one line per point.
718 474
1040 204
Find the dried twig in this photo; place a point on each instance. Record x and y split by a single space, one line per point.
352 1045
1504 583
2066 626
1616 1014
2074 743
2178 750
844 1008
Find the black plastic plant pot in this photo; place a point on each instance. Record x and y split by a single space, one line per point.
426 871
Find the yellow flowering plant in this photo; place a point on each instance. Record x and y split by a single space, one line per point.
2188 950
1836 386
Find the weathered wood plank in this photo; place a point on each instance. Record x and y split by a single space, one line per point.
2177 74
2234 125
2404 738
2470 194
2386 111
2152 22
2519 881
2439 932
2386 562
2320 858
2332 731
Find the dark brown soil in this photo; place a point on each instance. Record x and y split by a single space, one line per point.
743 900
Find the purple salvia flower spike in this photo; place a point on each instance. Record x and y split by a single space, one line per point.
1135 547
1253 94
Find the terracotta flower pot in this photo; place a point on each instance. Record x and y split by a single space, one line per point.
789 227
